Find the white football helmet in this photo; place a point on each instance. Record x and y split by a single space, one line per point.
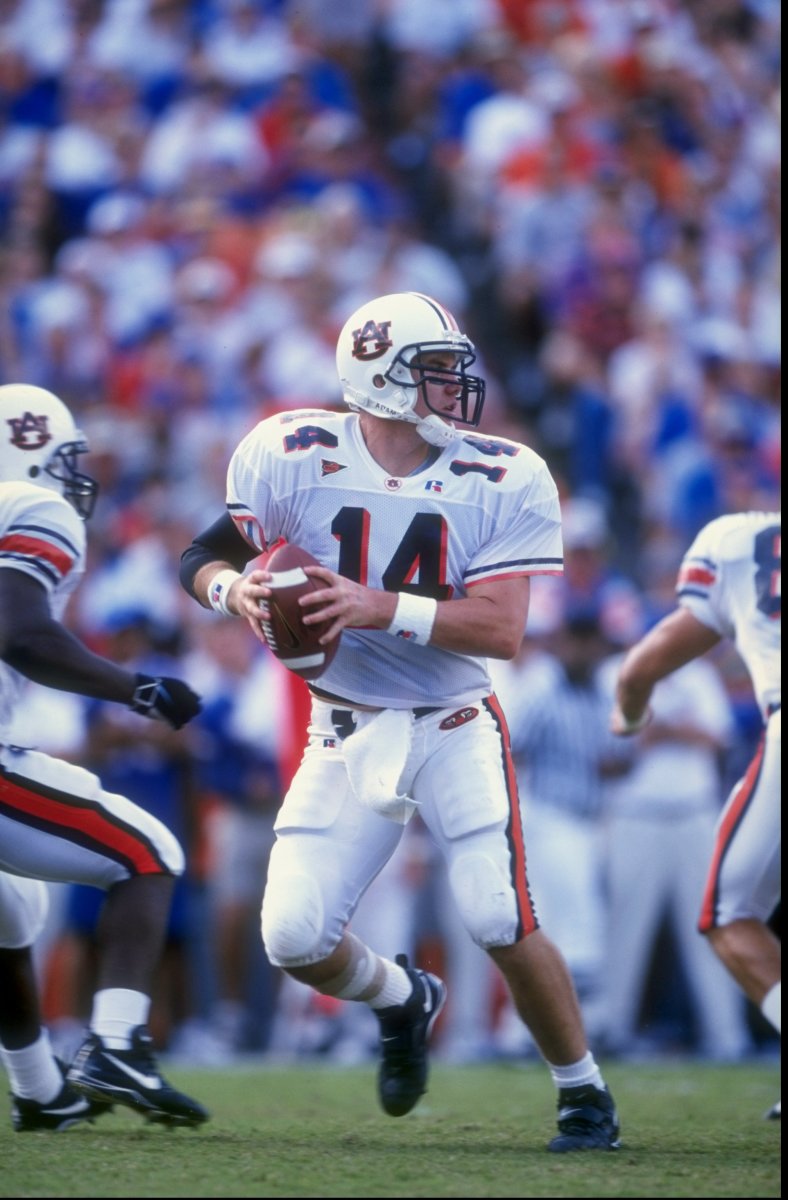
39 443
378 356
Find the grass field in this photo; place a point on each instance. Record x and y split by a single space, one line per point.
689 1129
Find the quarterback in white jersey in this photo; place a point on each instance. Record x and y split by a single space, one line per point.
427 537
729 586
482 509
56 821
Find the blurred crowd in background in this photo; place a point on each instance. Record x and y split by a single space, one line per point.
194 195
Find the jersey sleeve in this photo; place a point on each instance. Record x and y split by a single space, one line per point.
44 538
527 536
699 583
251 501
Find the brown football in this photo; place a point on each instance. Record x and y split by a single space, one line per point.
295 645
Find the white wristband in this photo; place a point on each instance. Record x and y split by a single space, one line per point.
413 618
218 591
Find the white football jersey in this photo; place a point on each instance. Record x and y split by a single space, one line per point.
42 535
730 580
484 509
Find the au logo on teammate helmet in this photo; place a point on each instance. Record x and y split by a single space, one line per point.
372 341
29 432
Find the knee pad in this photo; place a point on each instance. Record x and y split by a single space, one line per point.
24 904
485 899
293 923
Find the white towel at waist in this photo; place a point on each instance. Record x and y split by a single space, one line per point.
375 755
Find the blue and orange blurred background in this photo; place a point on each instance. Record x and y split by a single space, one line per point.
193 198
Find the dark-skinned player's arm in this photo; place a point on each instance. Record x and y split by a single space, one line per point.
39 647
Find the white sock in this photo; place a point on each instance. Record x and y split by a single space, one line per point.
370 978
771 1006
396 989
116 1012
32 1071
579 1074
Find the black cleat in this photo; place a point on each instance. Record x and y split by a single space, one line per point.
68 1108
131 1077
404 1033
587 1120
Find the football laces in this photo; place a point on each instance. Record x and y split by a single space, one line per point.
267 627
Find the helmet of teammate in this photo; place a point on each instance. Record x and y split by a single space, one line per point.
40 443
380 360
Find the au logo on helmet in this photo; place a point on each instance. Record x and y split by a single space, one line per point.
376 333
29 432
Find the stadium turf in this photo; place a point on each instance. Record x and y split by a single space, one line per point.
689 1129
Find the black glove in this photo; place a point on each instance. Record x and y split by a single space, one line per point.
165 699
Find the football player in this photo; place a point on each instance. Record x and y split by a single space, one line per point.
56 821
427 534
729 587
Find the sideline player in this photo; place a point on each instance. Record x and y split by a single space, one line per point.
427 539
729 587
56 821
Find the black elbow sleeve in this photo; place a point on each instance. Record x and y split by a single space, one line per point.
220 542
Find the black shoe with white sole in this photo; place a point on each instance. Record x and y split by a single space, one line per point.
131 1077
404 1033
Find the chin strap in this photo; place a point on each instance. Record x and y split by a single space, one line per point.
433 429
436 431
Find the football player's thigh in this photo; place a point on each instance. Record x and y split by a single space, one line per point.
749 879
328 841
469 803
59 824
23 908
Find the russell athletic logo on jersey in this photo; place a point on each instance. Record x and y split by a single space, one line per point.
372 341
29 432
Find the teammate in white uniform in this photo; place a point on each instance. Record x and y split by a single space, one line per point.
729 587
56 821
427 538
